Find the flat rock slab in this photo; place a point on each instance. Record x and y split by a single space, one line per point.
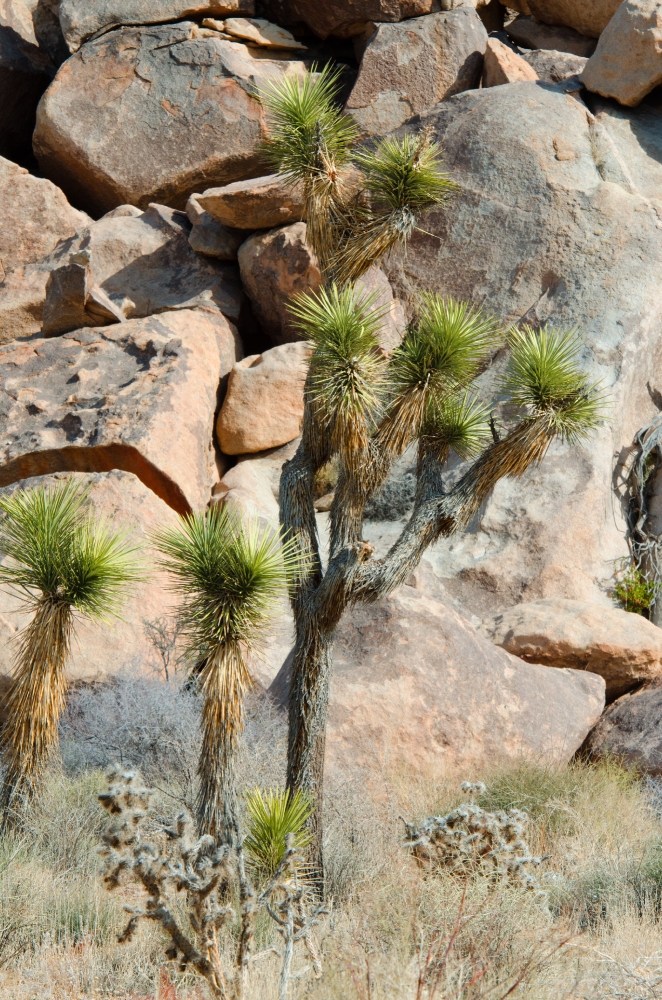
259 203
138 396
575 199
588 17
622 647
631 730
415 687
125 503
343 18
408 68
35 217
83 19
152 115
627 63
537 35
143 262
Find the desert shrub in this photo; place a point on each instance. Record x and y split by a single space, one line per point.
635 593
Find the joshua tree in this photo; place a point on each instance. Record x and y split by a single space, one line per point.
364 410
61 565
230 577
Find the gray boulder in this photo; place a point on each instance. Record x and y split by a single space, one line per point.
552 66
83 19
416 687
574 196
408 68
344 18
25 73
589 17
535 34
631 730
153 114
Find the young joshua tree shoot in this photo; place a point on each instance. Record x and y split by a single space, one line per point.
230 577
62 566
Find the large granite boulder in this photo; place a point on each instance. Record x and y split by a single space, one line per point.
622 647
83 19
416 687
263 405
574 196
138 396
35 217
125 503
627 63
154 114
141 261
408 68
631 730
25 73
589 17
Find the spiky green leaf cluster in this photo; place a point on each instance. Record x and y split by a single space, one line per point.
405 173
544 376
306 129
273 815
458 423
229 574
55 550
346 375
428 374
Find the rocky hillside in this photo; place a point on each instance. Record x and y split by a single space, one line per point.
146 347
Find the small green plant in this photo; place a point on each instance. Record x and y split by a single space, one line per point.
635 592
274 815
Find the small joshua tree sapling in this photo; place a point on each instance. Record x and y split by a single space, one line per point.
363 410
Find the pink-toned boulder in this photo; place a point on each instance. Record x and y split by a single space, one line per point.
415 687
627 63
263 407
502 65
622 647
124 502
138 396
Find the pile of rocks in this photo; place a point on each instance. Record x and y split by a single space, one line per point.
146 346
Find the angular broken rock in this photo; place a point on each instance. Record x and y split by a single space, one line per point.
263 406
343 18
579 246
630 730
622 647
275 266
408 68
535 34
124 502
627 63
25 73
153 114
259 203
589 17
553 67
502 65
83 19
210 237
264 34
138 396
142 261
35 217
415 687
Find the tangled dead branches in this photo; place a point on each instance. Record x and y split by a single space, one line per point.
471 840
135 849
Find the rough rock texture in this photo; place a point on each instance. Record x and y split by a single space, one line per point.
257 31
630 729
260 203
502 65
138 396
252 485
48 30
263 406
35 216
627 63
408 68
552 66
536 35
394 325
579 245
274 267
125 503
25 72
415 686
344 18
622 647
589 17
82 19
143 262
153 114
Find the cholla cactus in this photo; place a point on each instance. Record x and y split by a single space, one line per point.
469 839
210 875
